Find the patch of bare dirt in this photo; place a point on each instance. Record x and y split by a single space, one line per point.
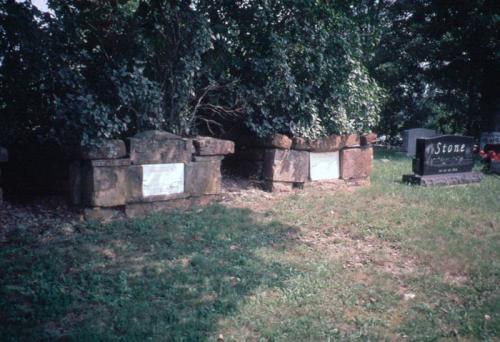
355 253
46 217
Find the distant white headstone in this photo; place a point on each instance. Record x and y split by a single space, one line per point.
489 138
410 137
162 179
324 166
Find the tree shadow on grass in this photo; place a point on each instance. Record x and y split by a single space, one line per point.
165 277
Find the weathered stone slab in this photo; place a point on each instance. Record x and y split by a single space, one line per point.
368 139
330 143
487 138
278 186
156 135
324 165
207 146
203 178
162 179
160 151
4 155
104 186
351 140
142 209
286 165
109 149
444 179
278 141
155 182
356 163
410 137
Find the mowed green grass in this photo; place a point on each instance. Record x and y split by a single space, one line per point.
385 262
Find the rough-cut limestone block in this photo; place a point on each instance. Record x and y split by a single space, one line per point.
155 182
351 140
104 186
109 149
286 165
156 147
278 141
324 165
4 155
368 139
142 209
156 135
203 178
207 146
330 143
278 186
356 163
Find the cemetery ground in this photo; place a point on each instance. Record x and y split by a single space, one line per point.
389 261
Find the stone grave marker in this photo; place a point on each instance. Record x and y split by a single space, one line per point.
162 179
324 166
443 160
410 137
489 138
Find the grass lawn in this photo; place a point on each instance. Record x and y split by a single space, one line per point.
385 262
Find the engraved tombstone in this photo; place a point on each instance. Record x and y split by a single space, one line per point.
489 138
410 137
443 160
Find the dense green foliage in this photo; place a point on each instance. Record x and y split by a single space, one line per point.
439 62
107 69
92 70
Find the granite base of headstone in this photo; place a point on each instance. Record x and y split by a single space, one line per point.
443 160
446 179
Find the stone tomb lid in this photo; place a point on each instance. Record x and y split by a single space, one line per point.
443 154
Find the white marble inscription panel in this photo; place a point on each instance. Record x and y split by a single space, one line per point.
162 179
324 166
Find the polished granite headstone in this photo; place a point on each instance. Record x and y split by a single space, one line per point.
489 138
410 137
443 160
